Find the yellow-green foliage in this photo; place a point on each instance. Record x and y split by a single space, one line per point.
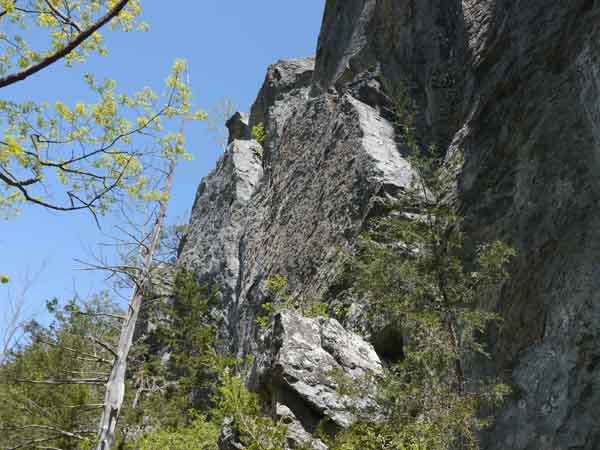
186 381
255 431
36 397
201 434
107 135
258 133
54 30
415 269
180 404
197 379
276 287
84 155
233 402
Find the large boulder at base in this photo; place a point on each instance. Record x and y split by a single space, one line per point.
300 364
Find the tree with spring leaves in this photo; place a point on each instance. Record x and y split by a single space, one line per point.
85 156
414 268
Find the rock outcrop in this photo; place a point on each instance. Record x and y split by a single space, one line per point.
238 128
333 158
516 87
300 365
212 244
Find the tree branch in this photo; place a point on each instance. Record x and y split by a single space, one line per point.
64 18
102 344
94 381
63 52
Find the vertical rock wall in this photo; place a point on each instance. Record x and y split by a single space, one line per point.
513 84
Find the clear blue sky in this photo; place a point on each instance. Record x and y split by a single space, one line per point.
228 44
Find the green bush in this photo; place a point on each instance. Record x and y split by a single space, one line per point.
201 434
258 133
276 287
414 268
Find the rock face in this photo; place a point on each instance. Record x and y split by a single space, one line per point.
238 128
299 366
211 246
516 87
335 157
285 89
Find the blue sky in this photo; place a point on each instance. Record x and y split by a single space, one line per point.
228 44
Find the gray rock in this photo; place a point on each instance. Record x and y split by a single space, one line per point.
312 202
420 45
285 89
238 128
531 177
300 362
336 159
515 85
296 433
229 439
211 246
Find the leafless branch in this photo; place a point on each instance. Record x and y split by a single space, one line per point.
91 381
102 344
112 316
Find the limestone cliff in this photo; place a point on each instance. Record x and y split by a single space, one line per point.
516 86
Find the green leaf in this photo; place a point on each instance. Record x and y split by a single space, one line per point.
4 279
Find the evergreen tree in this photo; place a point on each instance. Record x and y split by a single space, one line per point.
175 364
195 391
51 385
414 267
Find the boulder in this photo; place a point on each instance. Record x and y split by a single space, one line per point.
301 363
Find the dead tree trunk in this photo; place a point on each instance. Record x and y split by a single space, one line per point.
115 387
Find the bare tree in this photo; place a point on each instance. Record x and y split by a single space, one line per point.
103 361
220 113
115 387
13 318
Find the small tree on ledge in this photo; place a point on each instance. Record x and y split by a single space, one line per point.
414 268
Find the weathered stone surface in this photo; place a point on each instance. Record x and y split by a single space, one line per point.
516 86
285 89
238 127
531 177
336 157
228 439
211 246
418 45
299 363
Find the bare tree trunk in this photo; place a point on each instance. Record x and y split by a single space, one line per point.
115 387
